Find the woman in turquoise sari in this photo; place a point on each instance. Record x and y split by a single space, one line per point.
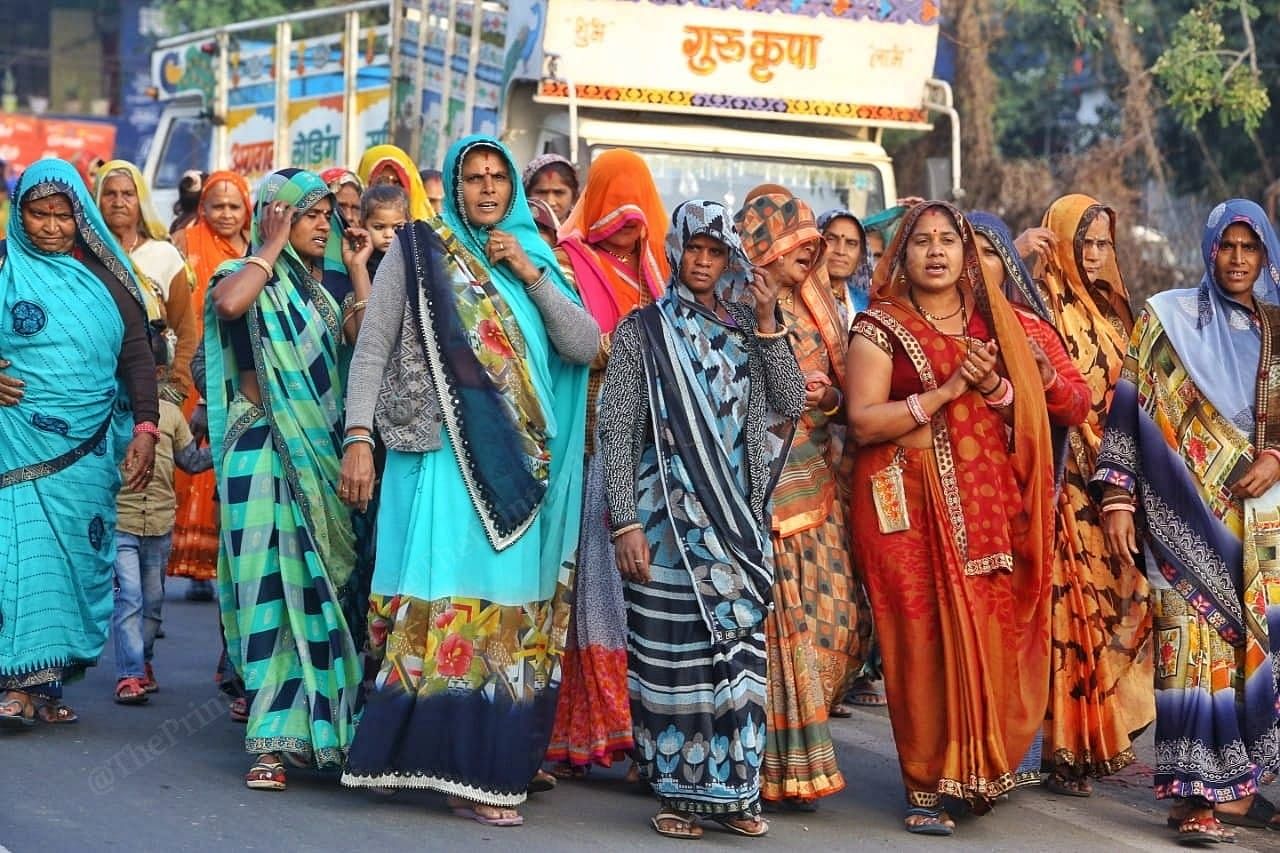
472 362
79 375
275 385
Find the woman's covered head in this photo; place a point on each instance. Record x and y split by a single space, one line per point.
49 222
118 201
224 204
845 241
484 185
780 234
705 251
553 179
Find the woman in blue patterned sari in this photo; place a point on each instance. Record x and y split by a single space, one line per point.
696 416
276 380
75 350
473 363
1188 469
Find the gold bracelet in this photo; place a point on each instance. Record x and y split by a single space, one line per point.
772 336
261 264
621 531
839 402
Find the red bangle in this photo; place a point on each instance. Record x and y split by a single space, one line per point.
147 427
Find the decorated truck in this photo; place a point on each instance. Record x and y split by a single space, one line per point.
717 95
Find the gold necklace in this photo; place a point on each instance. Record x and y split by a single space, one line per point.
933 318
624 258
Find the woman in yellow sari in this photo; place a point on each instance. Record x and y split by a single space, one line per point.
387 164
1101 692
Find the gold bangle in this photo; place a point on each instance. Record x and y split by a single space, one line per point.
621 531
839 402
261 264
772 336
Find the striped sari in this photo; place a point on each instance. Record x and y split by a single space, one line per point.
286 540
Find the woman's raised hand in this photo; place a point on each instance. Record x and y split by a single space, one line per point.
357 248
503 248
764 292
274 226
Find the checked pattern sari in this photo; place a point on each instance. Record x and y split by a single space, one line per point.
286 540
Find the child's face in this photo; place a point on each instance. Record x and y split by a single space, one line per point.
382 224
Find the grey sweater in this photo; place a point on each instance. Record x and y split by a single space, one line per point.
390 383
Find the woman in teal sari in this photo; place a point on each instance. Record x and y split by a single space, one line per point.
472 362
79 375
275 387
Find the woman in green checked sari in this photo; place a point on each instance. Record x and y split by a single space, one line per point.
285 318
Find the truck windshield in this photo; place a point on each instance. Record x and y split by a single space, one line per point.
728 178
186 147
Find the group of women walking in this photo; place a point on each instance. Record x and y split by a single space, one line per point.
666 487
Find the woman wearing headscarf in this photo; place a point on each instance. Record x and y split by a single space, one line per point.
816 634
387 164
696 414
952 515
553 179
1187 471
1101 694
123 197
848 261
347 188
472 364
77 397
280 323
612 246
1066 395
219 233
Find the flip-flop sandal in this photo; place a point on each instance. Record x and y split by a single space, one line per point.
869 698
265 776
1261 815
728 823
688 831
471 814
1058 784
1195 831
840 711
18 720
542 782
239 710
935 823
56 714
129 691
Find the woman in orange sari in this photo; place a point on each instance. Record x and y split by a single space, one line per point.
219 233
1102 682
815 635
952 515
611 249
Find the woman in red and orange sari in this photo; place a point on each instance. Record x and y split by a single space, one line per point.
1102 680
219 233
952 515
611 249
816 634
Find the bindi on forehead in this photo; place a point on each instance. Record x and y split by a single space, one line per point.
485 163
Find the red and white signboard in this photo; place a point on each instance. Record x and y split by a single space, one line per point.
25 139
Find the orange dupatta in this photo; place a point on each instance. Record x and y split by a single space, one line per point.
773 223
619 191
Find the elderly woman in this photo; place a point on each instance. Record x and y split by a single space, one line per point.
952 515
74 348
1187 470
848 261
553 179
122 196
278 326
347 188
472 365
820 627
1101 681
688 505
612 247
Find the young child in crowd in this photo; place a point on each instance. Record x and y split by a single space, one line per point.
383 209
144 532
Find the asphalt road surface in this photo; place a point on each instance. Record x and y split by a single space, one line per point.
167 776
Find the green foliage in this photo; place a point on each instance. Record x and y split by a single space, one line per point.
184 16
1201 73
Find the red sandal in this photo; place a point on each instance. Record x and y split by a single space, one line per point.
1200 830
131 691
265 776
